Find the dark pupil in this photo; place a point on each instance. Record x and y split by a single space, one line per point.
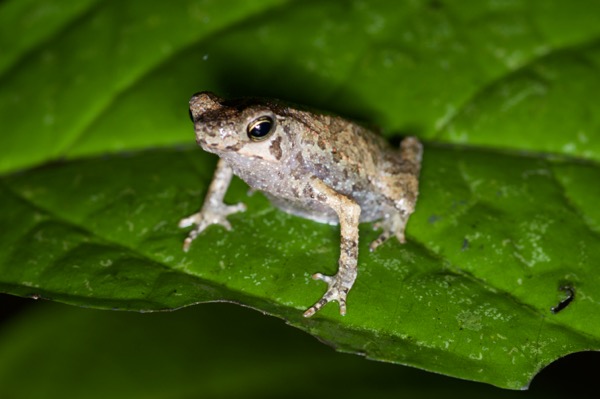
260 129
191 116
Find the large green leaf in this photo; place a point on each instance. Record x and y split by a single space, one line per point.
492 241
496 234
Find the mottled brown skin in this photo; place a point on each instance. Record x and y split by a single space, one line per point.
317 166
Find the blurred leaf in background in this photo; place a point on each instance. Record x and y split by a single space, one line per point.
216 351
501 225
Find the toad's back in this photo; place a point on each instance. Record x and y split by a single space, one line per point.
353 161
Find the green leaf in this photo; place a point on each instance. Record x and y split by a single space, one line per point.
499 228
491 243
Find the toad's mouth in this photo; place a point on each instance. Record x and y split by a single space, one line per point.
206 146
217 146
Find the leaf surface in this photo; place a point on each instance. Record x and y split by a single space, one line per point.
500 227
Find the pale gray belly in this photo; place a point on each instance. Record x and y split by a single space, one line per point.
278 185
372 208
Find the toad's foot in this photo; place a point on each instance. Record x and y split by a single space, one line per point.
337 291
215 214
392 226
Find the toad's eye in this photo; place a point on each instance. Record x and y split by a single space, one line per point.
260 128
191 116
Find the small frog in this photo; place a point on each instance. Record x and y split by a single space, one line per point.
313 165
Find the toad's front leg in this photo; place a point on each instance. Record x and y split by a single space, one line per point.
213 211
348 213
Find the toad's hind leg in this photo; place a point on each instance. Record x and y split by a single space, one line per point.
394 225
400 188
348 213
